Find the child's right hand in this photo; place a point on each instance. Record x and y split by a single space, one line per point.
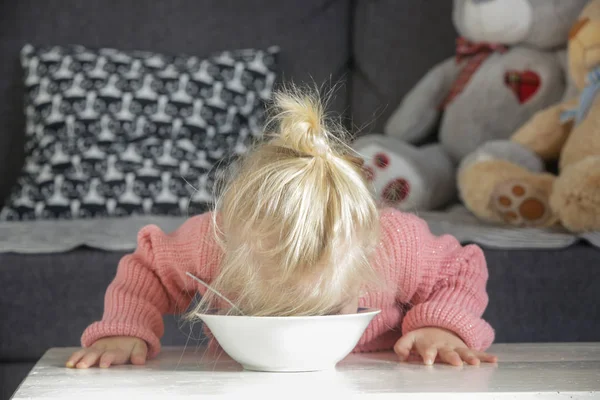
110 351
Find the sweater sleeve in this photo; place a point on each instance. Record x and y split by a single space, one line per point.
448 285
152 282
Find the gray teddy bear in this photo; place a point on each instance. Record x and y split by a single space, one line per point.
509 64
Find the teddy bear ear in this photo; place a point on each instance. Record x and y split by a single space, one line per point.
577 26
458 15
552 20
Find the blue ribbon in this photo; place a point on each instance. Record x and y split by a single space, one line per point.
588 95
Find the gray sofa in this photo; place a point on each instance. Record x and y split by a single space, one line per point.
377 48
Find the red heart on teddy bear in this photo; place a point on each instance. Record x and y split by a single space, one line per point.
524 84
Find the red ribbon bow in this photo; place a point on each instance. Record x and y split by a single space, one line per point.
467 49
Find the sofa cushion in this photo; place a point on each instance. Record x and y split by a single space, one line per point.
112 133
119 234
11 376
535 296
48 300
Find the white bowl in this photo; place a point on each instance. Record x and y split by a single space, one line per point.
288 344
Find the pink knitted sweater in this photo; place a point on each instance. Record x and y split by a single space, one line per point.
437 283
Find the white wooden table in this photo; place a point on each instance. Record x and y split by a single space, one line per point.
553 371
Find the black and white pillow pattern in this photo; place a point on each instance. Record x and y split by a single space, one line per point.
113 133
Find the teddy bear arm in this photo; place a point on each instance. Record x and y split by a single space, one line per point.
545 134
571 91
419 111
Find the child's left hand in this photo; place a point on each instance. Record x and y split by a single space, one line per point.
430 343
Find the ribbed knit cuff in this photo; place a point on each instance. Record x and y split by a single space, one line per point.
475 332
99 330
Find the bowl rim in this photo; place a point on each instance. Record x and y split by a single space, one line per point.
362 311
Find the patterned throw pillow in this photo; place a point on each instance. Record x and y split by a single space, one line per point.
112 133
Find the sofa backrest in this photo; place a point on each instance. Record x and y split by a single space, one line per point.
377 49
394 44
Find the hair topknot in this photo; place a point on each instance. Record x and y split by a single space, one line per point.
299 123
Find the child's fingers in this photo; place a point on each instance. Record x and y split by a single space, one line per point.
139 353
107 359
404 345
427 351
468 356
89 359
485 357
75 357
449 356
113 357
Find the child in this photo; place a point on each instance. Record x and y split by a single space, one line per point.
296 231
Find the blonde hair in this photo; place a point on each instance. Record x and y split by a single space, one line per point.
296 222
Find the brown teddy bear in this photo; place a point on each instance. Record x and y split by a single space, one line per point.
505 181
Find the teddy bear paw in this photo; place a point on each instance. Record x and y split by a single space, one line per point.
519 203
